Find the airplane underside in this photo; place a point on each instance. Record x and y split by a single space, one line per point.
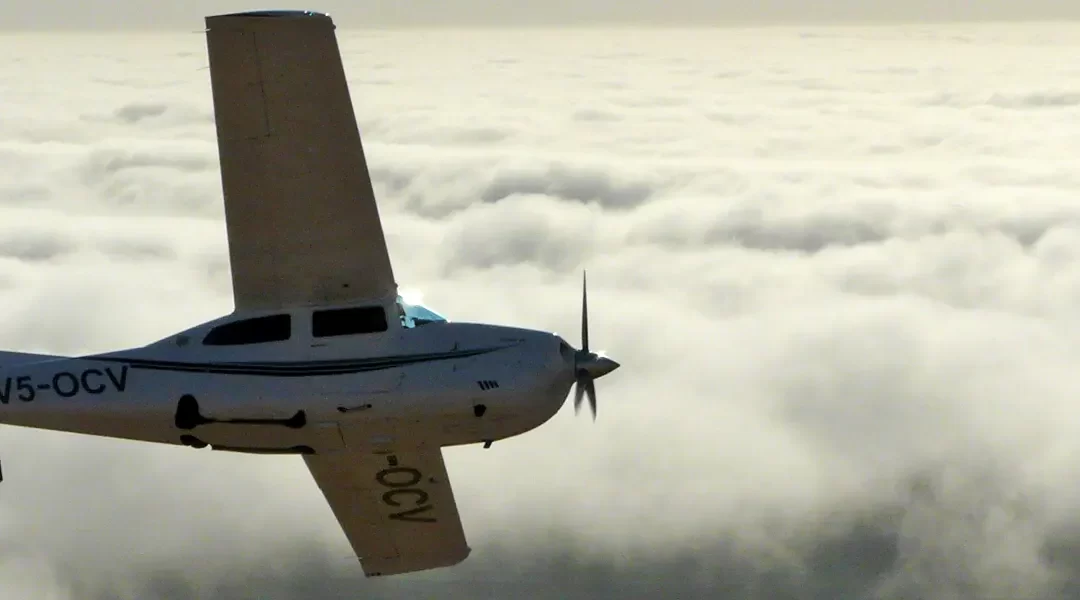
303 428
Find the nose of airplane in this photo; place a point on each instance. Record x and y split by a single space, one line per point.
588 365
595 366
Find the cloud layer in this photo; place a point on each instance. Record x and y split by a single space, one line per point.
838 266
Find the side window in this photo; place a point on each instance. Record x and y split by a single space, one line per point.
348 321
273 328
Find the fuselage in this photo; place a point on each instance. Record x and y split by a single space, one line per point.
235 385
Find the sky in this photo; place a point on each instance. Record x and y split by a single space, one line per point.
133 14
838 267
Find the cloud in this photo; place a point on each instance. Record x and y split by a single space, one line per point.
838 266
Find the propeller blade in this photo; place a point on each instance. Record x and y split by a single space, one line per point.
588 365
590 389
584 314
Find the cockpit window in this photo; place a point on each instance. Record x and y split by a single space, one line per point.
259 330
348 321
416 315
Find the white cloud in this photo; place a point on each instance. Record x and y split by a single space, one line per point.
836 264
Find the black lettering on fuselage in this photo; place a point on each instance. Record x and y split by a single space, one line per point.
26 388
22 385
121 382
401 481
66 384
93 388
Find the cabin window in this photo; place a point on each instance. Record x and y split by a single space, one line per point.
260 330
348 321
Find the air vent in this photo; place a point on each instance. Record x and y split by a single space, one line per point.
487 384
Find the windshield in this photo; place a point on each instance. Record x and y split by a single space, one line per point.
415 315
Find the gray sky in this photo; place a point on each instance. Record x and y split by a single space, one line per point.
96 14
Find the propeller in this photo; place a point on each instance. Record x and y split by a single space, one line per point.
588 365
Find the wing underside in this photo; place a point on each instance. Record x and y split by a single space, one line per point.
300 212
397 509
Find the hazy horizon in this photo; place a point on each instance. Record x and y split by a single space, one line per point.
130 14
569 26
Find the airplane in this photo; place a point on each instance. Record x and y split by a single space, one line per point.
321 356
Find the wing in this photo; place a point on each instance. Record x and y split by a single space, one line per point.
397 509
299 207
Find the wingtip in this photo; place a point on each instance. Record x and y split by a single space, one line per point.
276 14
269 16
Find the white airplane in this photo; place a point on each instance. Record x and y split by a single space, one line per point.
321 356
